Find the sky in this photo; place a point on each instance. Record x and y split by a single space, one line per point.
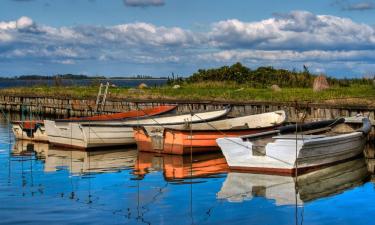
161 37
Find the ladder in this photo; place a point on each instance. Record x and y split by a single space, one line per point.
101 98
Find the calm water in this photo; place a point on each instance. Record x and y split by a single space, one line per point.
46 185
66 82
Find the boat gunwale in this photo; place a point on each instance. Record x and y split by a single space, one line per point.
288 171
230 119
225 112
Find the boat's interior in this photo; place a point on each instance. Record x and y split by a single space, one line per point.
313 130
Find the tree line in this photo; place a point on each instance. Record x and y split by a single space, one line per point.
263 77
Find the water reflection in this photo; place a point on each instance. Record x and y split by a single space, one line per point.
122 186
286 190
370 160
77 162
25 147
175 167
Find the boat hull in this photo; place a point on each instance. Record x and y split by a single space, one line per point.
109 133
280 156
34 130
73 135
201 137
183 142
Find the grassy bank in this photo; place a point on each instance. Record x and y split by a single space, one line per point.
217 91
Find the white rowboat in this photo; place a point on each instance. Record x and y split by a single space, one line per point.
283 151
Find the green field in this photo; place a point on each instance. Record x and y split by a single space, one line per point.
211 91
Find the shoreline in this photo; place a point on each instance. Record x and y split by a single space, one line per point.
362 97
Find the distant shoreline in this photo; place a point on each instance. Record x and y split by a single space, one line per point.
358 95
26 79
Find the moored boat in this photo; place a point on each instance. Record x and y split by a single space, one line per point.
284 151
34 130
114 133
201 137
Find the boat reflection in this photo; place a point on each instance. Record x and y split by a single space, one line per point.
370 160
78 162
239 187
371 168
177 167
26 147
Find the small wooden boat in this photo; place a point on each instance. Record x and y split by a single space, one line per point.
201 137
177 167
114 133
284 151
288 190
34 130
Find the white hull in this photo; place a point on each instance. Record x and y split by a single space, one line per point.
108 133
288 153
280 156
78 136
39 135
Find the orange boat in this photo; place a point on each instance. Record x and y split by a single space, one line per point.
180 167
34 129
201 137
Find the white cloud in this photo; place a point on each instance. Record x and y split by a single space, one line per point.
361 6
143 3
144 33
296 30
65 62
296 38
288 55
24 22
350 5
8 25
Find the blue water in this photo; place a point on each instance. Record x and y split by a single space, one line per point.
41 184
66 82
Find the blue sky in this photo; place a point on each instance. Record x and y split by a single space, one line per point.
158 37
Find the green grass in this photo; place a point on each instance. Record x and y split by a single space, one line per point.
359 94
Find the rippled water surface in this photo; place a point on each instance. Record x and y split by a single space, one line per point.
41 184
